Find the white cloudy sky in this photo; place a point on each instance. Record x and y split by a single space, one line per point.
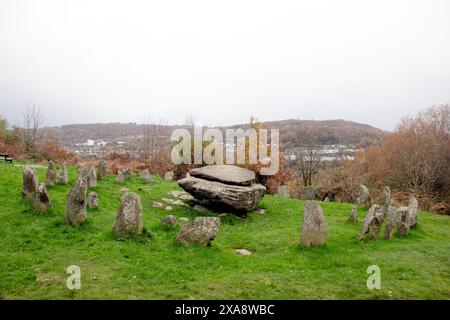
222 61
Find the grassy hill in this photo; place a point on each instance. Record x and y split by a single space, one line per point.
35 251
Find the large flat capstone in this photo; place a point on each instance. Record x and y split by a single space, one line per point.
227 174
224 187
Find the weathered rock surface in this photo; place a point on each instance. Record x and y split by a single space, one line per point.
372 223
129 216
391 222
41 201
201 231
30 183
225 174
89 175
157 204
168 176
92 200
314 226
413 209
50 178
363 200
353 216
169 220
243 252
146 176
224 196
386 199
63 176
403 221
101 170
120 177
126 173
76 203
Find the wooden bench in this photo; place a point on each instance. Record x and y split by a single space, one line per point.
6 157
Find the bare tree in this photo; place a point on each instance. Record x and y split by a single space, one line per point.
307 156
155 139
32 119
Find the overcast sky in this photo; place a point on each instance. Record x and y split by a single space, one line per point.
222 61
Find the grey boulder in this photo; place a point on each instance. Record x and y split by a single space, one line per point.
129 216
224 196
76 203
372 223
314 226
30 184
201 231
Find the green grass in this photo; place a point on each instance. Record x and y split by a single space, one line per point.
35 251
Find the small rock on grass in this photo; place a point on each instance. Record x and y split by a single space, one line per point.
200 208
244 252
184 219
170 220
157 204
168 208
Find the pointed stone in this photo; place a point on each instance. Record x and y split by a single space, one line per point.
101 170
41 201
76 203
50 178
413 208
353 217
92 200
120 177
391 222
372 223
30 183
129 216
63 176
314 226
403 221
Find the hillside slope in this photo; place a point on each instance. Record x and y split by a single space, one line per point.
326 132
36 250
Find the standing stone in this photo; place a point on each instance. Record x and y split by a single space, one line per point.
403 221
92 200
201 231
41 201
126 173
50 178
168 176
92 177
120 178
391 217
101 170
83 171
314 226
76 203
353 217
30 184
283 191
63 176
372 223
386 199
413 208
88 174
146 176
363 200
129 216
170 220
